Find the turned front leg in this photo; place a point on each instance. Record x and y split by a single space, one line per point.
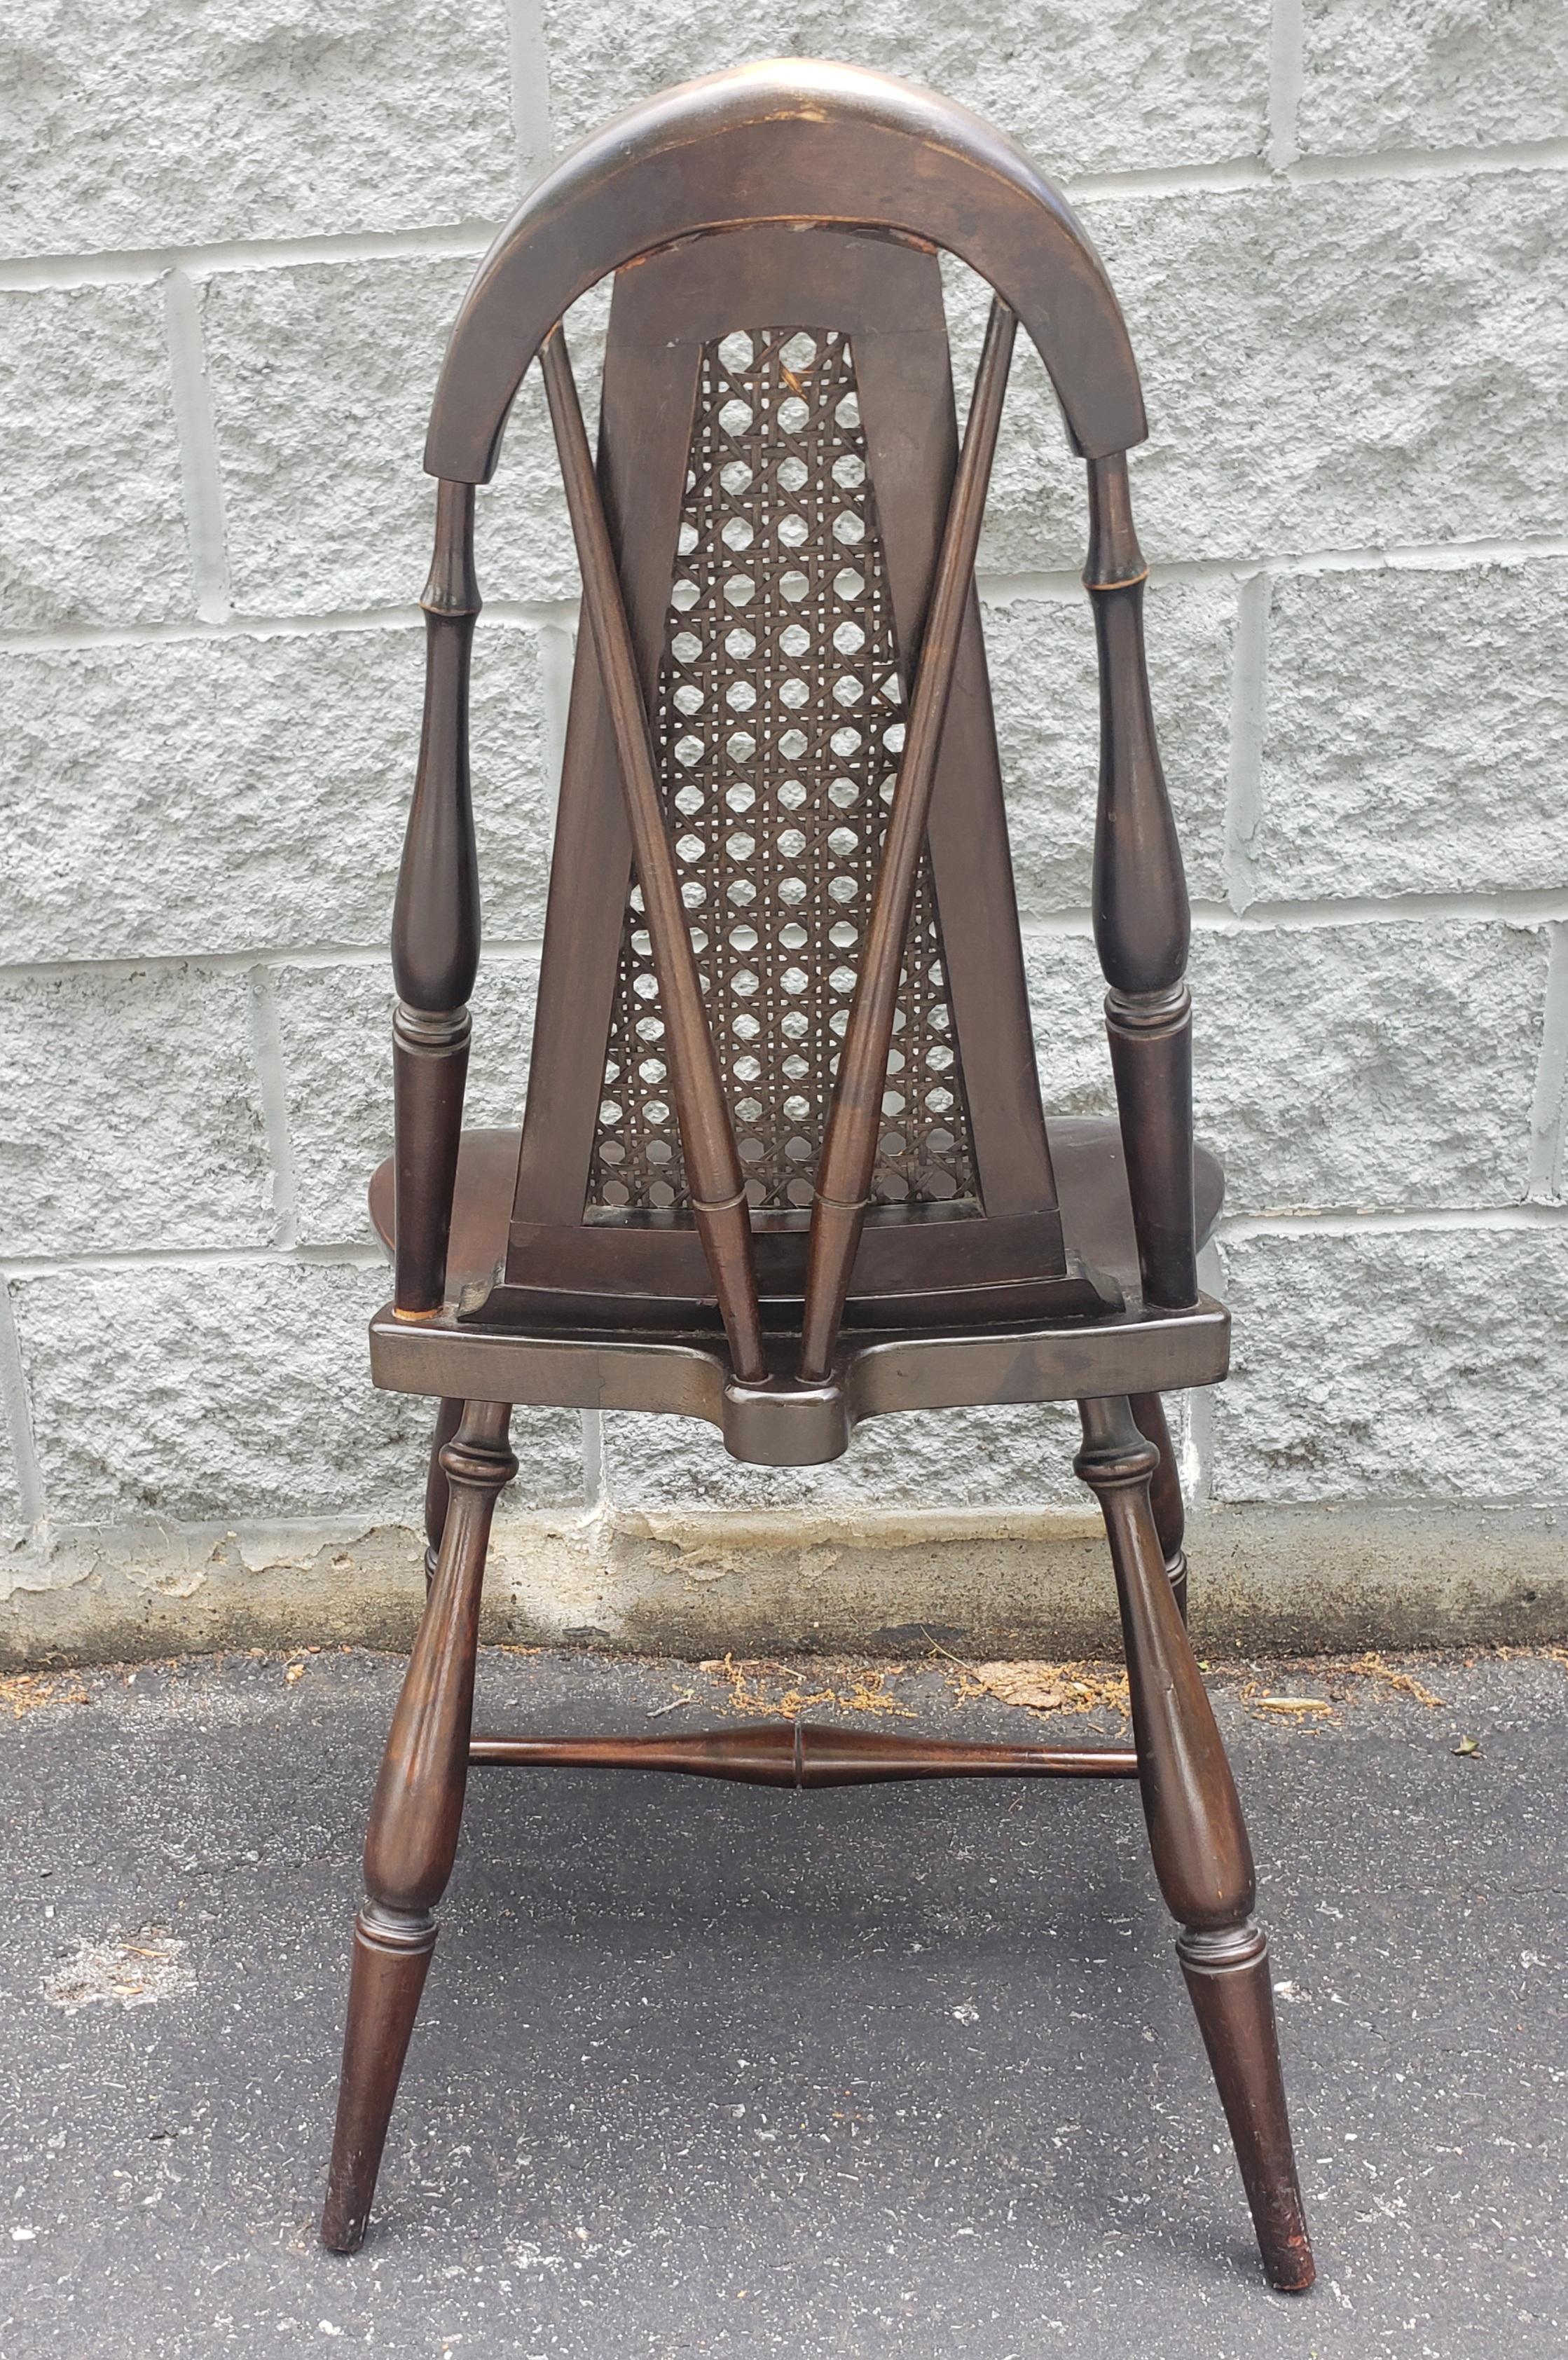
414 1822
1198 1838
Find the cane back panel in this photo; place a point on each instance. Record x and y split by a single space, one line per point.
778 719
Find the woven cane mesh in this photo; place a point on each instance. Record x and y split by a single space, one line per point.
778 723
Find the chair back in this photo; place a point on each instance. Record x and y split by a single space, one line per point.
783 1071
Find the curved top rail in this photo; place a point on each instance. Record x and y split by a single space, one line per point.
790 141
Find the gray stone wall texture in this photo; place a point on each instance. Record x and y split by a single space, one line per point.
230 243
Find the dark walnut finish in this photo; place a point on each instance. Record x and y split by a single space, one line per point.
783 1163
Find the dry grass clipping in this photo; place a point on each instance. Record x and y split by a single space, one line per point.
1336 1673
1372 1667
126 1971
1307 1712
31 1691
761 1690
1045 1687
1038 1687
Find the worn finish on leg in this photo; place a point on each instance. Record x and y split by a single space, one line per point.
1165 1492
1198 1838
414 1822
438 1492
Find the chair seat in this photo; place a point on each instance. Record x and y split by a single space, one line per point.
1090 1179
789 1423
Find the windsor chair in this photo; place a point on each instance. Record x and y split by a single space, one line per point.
783 1163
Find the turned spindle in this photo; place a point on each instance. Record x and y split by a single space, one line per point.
1141 923
435 925
855 1119
719 1207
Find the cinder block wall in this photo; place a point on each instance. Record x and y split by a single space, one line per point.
231 247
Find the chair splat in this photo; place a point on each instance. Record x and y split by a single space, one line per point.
776 455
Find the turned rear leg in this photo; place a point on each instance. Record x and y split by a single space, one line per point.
414 1821
1165 1491
1198 1838
437 1491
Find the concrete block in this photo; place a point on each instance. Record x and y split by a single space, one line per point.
1332 365
1045 687
301 117
1067 995
515 760
1375 780
238 792
1400 73
978 1457
234 1390
335 1028
92 525
1082 87
1406 1366
11 1508
1369 1066
322 377
1037 508
132 1116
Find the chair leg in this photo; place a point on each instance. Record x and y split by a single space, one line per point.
414 1820
1165 1492
437 1491
1198 1838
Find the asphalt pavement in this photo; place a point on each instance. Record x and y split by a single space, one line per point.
711 2069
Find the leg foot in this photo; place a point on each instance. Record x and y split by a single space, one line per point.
1227 1976
391 1957
1198 1839
414 1821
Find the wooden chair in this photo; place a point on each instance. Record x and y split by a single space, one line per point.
784 1164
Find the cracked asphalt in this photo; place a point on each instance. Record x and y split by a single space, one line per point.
707 2070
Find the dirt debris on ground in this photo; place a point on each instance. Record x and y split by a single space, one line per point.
126 1971
1309 1692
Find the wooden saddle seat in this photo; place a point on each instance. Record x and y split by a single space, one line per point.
787 1422
783 1161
